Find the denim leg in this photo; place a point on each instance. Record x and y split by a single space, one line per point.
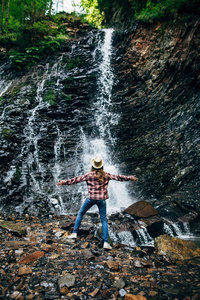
102 210
86 205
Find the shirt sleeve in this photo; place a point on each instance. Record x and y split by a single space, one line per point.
76 179
118 177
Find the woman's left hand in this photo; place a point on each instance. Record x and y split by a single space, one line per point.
59 183
134 178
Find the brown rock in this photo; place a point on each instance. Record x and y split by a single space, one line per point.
13 227
94 293
85 245
153 293
88 254
112 265
24 270
30 297
134 297
46 247
176 248
64 290
31 257
16 295
16 244
141 209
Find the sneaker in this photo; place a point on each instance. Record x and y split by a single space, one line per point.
72 236
107 246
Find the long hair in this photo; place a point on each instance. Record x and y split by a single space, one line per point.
100 174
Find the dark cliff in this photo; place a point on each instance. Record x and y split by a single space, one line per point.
157 70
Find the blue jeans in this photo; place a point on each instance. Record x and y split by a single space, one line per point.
102 211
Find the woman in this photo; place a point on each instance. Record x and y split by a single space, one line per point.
97 183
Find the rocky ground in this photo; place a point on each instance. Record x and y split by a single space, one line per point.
39 262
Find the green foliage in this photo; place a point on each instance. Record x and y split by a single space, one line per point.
93 14
7 133
164 9
50 96
8 40
73 63
22 60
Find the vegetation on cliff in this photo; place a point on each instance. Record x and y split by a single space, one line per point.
29 31
119 12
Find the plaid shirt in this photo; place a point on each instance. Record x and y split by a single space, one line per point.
97 190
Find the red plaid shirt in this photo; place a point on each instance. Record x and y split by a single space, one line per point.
97 190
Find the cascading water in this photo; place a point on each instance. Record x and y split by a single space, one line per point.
33 166
101 141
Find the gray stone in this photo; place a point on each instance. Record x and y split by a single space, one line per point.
67 280
119 284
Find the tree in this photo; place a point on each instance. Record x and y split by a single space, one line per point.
2 8
7 15
93 14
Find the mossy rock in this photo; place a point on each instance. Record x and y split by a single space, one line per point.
7 133
13 228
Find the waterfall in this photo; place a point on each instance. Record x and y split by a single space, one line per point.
33 167
101 141
181 231
4 82
144 237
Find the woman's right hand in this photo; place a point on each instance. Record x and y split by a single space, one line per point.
59 183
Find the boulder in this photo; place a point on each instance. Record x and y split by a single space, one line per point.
141 209
175 248
14 228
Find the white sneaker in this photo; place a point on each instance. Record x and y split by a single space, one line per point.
107 246
72 236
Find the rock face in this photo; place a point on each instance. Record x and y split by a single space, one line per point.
156 66
176 248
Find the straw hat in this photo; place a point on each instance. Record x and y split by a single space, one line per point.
97 162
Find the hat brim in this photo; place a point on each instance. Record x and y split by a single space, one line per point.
99 167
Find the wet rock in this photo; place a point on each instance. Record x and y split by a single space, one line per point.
134 297
31 257
67 280
16 295
119 284
176 248
13 227
112 265
25 270
88 254
16 244
122 292
141 209
94 293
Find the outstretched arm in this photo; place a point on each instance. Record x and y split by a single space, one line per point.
73 180
121 177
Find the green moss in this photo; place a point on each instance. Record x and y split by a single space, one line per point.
50 97
68 97
7 133
16 176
